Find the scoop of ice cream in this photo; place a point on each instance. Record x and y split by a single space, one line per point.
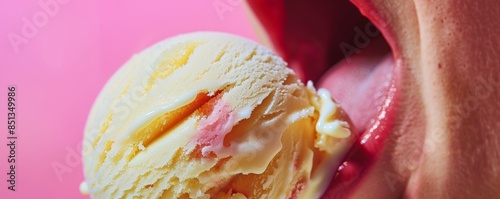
211 115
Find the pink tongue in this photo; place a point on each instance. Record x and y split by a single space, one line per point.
360 83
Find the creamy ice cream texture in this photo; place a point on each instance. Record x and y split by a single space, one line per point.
211 115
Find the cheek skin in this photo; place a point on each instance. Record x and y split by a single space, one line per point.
446 141
461 87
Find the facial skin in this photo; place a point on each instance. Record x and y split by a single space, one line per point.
451 72
445 142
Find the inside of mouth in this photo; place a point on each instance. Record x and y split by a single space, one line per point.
335 46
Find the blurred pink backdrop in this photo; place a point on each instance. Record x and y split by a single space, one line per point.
59 54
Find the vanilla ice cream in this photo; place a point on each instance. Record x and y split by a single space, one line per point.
211 115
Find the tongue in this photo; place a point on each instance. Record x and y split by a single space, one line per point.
360 82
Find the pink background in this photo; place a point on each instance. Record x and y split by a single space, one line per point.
65 63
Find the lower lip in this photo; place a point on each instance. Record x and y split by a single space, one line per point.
366 150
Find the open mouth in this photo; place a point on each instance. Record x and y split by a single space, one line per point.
352 55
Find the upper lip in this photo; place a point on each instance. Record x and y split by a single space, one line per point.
312 58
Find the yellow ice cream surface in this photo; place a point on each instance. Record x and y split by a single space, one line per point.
283 139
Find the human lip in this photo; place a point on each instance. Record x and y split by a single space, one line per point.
366 82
